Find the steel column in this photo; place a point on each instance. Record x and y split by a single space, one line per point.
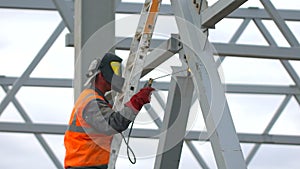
94 35
175 121
225 144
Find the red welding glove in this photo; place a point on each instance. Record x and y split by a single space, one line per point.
139 99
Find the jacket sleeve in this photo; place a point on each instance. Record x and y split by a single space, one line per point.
102 118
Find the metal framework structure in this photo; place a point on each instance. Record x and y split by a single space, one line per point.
194 53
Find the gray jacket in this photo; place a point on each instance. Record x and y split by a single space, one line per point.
99 114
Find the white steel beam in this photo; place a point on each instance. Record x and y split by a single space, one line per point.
229 88
197 155
60 129
269 139
38 82
66 13
261 89
161 53
264 31
25 76
38 136
28 4
249 51
124 43
223 49
256 13
239 31
154 116
297 97
288 35
218 11
279 21
242 13
33 128
269 127
234 38
160 100
222 134
135 8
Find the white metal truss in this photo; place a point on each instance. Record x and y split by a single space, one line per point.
273 51
225 143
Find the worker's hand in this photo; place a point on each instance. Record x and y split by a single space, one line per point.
139 99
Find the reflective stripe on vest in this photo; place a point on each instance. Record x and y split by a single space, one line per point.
73 127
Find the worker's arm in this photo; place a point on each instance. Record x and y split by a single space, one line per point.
101 117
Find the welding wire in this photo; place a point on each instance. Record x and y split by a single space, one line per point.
172 74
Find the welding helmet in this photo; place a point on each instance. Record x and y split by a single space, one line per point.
111 69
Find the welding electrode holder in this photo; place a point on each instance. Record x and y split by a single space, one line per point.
149 83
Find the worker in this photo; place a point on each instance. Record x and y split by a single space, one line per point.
93 122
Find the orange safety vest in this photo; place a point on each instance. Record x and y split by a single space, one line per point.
85 146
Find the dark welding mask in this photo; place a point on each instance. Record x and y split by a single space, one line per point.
111 68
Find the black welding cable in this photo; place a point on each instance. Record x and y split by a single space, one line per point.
128 148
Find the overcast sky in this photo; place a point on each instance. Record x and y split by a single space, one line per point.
23 33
